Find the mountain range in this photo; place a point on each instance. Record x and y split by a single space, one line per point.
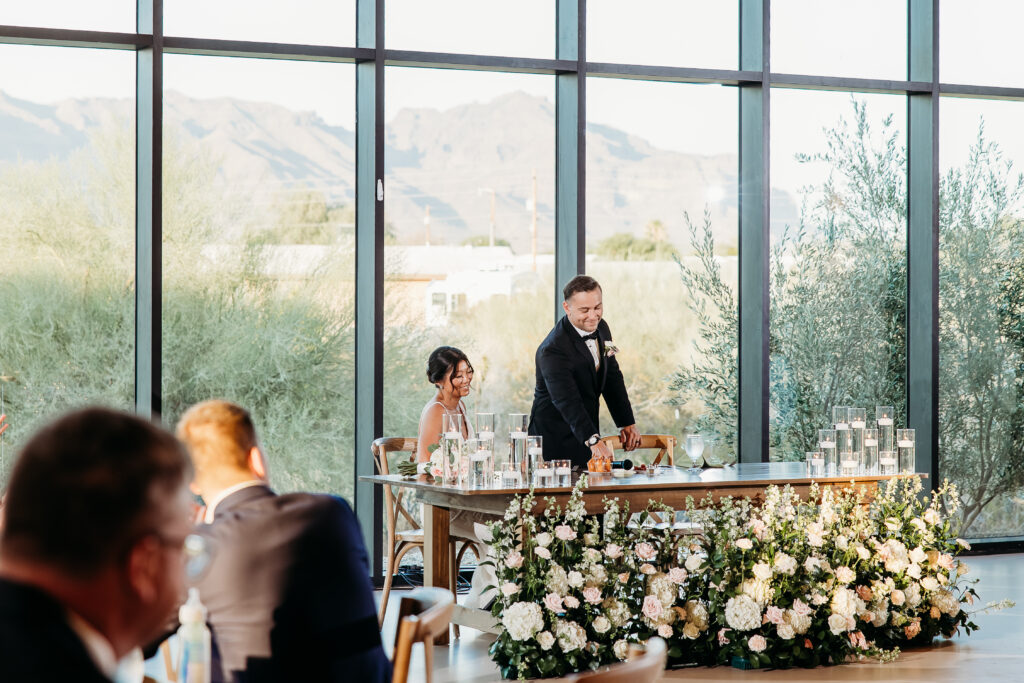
446 164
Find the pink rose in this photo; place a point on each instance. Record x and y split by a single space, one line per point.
864 593
757 643
946 561
623 577
613 551
665 631
774 614
571 602
543 552
509 588
592 594
564 532
645 551
553 601
648 569
652 607
857 640
677 575
514 560
912 629
801 608
722 638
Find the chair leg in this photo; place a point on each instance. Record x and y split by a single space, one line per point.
389 575
428 657
453 580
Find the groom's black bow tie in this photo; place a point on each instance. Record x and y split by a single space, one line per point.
592 335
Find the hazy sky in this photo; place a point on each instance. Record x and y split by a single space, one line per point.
809 36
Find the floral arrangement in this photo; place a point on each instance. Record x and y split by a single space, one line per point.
787 583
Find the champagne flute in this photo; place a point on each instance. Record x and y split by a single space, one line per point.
694 450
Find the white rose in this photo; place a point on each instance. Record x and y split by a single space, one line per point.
837 624
694 563
917 555
929 583
571 602
544 539
648 569
522 620
620 649
601 624
845 574
762 571
785 632
543 552
509 588
564 532
545 640
665 631
575 579
863 553
914 571
785 564
744 544
932 516
757 643
898 598
691 631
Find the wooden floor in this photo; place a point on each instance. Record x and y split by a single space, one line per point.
994 653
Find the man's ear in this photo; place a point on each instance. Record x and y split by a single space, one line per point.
257 464
143 569
565 307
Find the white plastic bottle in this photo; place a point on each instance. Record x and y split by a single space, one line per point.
194 641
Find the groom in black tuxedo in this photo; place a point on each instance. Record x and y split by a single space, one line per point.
574 367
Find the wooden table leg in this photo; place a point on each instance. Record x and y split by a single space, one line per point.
436 571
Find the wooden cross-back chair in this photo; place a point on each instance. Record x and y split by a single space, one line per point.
644 665
401 542
423 615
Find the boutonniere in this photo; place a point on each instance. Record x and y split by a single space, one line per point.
610 349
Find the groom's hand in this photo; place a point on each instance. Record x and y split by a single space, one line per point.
630 437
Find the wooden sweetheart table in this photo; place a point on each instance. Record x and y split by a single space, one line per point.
670 485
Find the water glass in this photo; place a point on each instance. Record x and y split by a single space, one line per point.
815 463
885 415
563 472
694 451
827 444
905 442
871 451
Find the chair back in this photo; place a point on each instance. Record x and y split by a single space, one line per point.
666 444
381 448
643 666
423 615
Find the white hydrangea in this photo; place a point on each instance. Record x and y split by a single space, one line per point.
759 591
557 581
800 623
946 602
545 640
785 564
917 555
742 613
570 635
618 611
913 594
697 614
845 574
522 620
662 587
597 575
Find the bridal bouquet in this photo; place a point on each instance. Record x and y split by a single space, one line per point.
786 583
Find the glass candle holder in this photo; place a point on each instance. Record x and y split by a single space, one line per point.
905 443
485 428
887 462
511 476
481 463
841 423
451 445
849 464
517 425
563 472
534 453
885 415
543 474
827 444
815 461
858 423
870 451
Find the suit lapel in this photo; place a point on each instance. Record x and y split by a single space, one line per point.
581 346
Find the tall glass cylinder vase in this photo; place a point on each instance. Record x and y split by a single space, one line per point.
517 426
858 423
885 416
827 443
534 460
485 431
841 422
905 442
870 451
451 447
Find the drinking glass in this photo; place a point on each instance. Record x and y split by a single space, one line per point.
871 451
815 463
694 451
827 444
563 472
905 441
884 415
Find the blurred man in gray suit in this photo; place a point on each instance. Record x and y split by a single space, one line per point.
288 589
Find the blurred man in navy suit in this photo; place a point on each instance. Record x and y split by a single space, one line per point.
575 366
288 588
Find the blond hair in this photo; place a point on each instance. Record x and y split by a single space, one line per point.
219 435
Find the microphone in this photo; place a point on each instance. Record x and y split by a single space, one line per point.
625 464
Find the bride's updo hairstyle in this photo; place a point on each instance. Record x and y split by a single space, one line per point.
442 363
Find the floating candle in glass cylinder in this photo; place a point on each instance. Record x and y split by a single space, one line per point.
905 442
870 451
885 415
827 443
841 422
